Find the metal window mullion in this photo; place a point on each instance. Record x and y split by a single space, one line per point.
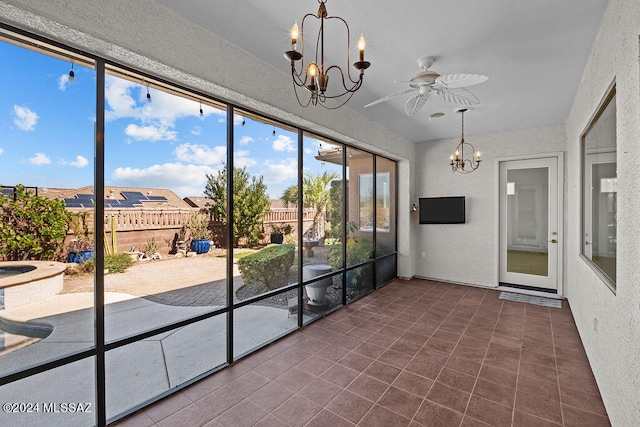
345 218
100 372
375 220
230 236
300 225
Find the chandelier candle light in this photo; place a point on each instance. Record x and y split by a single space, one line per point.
314 77
458 162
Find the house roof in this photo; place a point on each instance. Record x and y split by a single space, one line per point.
118 197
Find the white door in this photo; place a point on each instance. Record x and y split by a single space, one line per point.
529 237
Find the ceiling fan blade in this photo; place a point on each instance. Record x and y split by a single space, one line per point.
415 103
460 80
389 97
459 96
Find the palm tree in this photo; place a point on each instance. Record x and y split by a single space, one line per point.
316 195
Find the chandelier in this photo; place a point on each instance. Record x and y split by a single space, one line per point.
458 162
314 76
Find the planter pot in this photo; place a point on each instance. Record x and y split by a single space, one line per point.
277 238
80 257
182 246
135 256
200 246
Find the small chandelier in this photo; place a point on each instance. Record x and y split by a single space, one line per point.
458 161
314 76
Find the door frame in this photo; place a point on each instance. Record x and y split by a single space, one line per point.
559 156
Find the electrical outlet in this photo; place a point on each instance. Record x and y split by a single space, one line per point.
423 254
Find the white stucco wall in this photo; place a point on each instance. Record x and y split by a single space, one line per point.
613 346
466 253
151 38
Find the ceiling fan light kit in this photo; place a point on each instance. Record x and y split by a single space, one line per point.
449 87
314 77
457 160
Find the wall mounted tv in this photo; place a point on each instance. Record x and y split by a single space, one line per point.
442 210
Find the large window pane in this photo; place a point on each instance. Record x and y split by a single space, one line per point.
600 191
360 225
323 226
138 372
60 397
161 146
46 152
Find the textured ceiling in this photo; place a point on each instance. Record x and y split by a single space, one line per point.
534 52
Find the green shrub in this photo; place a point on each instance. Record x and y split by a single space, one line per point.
269 267
117 263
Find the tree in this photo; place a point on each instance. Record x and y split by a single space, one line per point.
250 202
31 226
316 195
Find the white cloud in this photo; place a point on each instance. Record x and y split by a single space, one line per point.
283 143
150 133
197 130
39 159
201 154
63 81
183 179
1 150
245 140
80 162
127 99
25 118
241 159
280 171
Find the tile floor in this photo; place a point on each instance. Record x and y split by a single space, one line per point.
413 353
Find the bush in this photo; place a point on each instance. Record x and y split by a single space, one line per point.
31 227
269 267
117 263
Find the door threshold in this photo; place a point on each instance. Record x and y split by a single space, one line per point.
529 290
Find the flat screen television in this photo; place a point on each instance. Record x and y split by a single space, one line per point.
442 210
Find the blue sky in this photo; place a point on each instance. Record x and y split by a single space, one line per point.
47 125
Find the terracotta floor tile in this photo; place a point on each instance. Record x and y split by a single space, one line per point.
297 410
433 415
544 389
456 379
138 419
498 376
380 416
320 391
370 350
522 419
356 361
368 387
248 383
382 371
574 417
400 401
168 406
395 359
191 415
490 412
412 383
245 413
271 396
326 418
447 396
467 366
495 392
350 406
539 372
381 340
219 401
538 406
582 400
315 365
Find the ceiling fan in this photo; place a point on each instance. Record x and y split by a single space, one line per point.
449 87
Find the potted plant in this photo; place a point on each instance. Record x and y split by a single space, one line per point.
198 226
278 231
359 250
133 254
80 250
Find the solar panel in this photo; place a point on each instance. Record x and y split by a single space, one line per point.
157 198
133 195
72 204
84 196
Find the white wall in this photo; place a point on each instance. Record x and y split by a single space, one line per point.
466 253
149 37
614 346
